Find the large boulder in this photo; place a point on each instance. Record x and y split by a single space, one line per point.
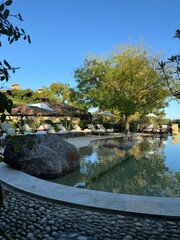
121 146
41 155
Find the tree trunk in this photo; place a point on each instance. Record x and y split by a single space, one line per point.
126 124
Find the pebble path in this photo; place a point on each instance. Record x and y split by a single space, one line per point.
25 218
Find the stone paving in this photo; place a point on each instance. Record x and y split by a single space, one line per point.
24 218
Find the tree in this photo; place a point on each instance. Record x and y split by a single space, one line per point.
57 92
171 71
126 82
13 33
19 96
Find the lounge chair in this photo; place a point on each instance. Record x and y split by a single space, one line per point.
26 129
108 131
61 130
7 128
46 127
148 129
96 131
162 129
77 129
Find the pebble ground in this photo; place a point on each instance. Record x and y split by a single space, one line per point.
25 218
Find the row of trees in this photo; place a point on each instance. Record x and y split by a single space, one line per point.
56 92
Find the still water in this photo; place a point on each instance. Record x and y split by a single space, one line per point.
151 167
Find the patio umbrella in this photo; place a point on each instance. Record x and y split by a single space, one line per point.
151 115
41 106
106 113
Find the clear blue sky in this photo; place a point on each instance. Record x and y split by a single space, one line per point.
63 32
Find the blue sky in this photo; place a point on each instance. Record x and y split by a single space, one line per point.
63 32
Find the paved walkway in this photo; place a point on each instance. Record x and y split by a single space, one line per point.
89 199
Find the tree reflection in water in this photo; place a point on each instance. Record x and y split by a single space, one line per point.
141 170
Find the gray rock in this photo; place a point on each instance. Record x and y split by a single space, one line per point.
44 156
110 145
125 146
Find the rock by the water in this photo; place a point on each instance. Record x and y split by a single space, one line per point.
110 145
121 146
125 146
44 156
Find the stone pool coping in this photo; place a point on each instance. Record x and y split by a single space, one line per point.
89 199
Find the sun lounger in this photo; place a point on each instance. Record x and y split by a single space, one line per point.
7 128
46 127
77 129
26 129
96 131
148 129
162 129
108 131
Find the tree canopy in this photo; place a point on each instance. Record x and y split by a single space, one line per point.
127 82
56 92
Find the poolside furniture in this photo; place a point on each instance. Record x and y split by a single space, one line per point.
96 131
162 129
108 131
61 130
46 127
77 129
7 128
26 129
148 129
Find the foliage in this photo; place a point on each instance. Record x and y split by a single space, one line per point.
170 70
126 82
57 92
12 33
19 96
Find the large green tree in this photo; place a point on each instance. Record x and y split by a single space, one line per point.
12 33
127 82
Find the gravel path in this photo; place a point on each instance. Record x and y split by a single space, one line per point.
23 218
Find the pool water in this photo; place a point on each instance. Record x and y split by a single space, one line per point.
151 167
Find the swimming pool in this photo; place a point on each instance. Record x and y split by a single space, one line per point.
150 167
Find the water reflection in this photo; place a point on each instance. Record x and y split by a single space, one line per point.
150 167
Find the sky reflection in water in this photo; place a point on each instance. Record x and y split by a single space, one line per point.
151 167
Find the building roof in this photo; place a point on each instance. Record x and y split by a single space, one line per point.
60 109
